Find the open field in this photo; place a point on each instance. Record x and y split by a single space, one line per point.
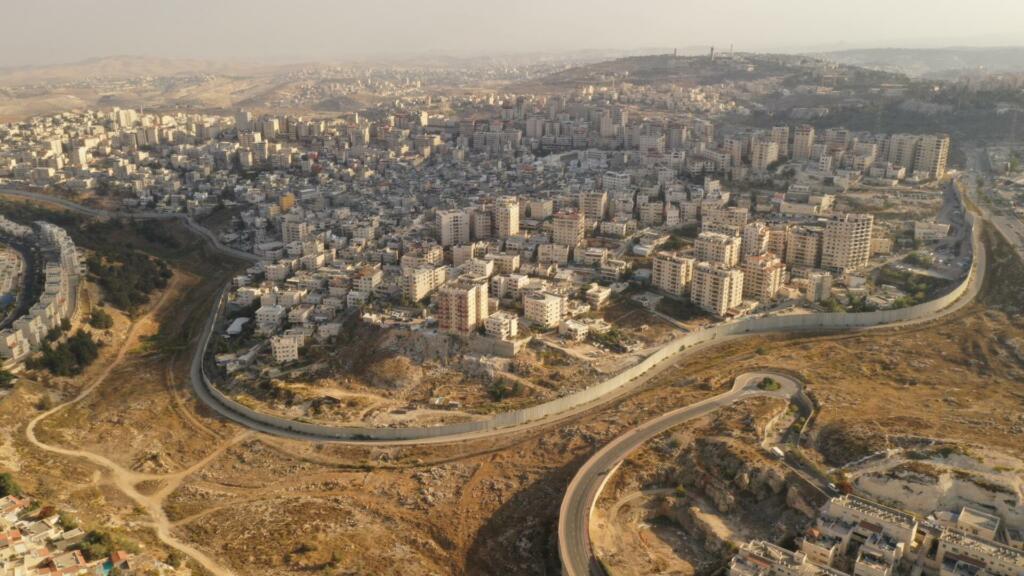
261 505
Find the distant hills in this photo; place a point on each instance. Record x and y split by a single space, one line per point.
933 62
121 67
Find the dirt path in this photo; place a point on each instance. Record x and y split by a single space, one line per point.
126 480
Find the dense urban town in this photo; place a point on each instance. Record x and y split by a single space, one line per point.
623 316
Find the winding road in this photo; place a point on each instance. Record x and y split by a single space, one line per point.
203 388
582 493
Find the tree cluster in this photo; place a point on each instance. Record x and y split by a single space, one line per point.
128 278
69 357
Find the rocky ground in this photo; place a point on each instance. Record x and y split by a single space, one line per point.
256 505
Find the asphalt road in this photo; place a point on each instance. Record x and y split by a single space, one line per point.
203 392
574 516
30 284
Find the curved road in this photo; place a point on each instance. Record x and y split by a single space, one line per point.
201 386
582 493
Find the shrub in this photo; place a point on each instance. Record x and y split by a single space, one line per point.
8 487
101 319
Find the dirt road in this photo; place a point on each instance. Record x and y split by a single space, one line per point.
125 480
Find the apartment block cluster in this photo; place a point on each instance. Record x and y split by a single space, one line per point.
61 268
853 535
738 263
31 545
474 273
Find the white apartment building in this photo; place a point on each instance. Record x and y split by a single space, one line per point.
763 154
803 247
672 273
819 286
803 142
477 267
568 229
285 348
718 248
616 181
453 227
502 325
931 156
762 277
760 558
716 289
593 205
846 243
755 239
462 306
543 309
541 209
506 216
780 136
418 283
504 263
724 218
552 254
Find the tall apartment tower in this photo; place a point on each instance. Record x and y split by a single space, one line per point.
462 306
594 205
902 150
453 227
803 247
481 221
716 289
763 154
755 239
672 273
803 142
780 135
847 242
506 216
718 248
762 277
931 156
569 229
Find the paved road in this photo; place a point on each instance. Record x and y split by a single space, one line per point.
582 493
202 390
30 285
1010 226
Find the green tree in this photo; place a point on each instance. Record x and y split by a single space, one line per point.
6 380
8 487
101 319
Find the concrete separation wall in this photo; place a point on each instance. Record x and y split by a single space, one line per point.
968 288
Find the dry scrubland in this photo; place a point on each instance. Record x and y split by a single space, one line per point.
262 505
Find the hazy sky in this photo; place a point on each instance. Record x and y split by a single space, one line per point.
54 31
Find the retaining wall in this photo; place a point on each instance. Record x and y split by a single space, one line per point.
792 323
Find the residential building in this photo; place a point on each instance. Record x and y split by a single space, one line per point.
543 309
568 229
762 277
803 142
716 289
593 205
462 305
803 247
718 248
672 273
453 227
846 243
506 216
